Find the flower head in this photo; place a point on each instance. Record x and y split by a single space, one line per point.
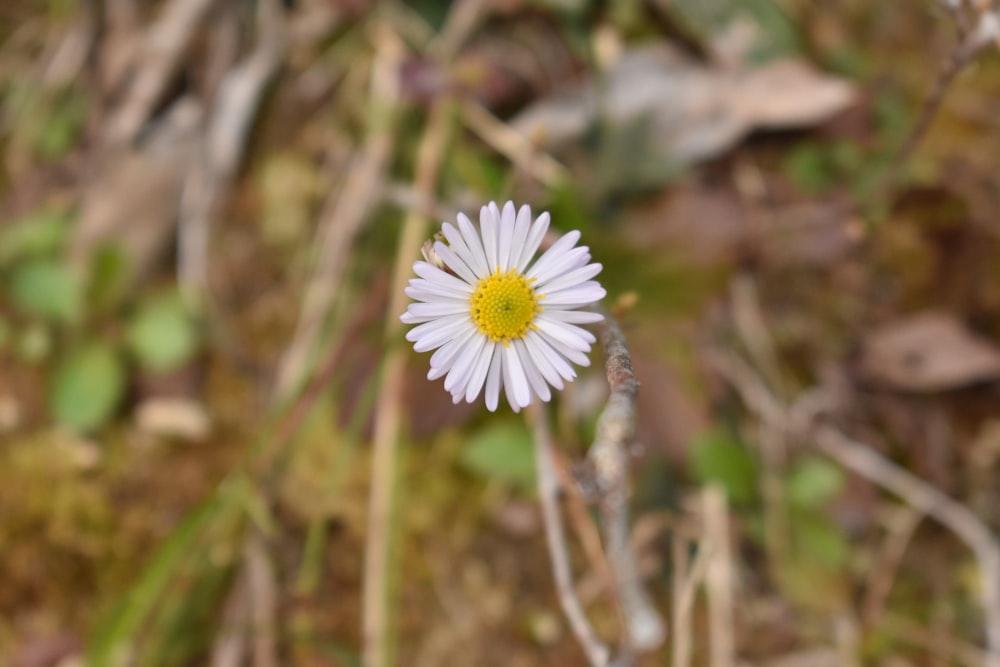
497 319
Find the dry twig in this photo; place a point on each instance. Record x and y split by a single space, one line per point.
609 458
974 39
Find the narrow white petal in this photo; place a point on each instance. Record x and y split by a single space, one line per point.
493 382
535 236
455 263
522 225
515 382
535 379
443 359
443 288
506 237
558 249
556 360
481 368
426 328
469 256
579 332
569 278
581 295
430 294
438 309
488 223
550 267
436 275
576 356
446 331
573 316
462 369
473 240
540 360
564 333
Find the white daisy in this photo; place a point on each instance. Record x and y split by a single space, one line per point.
494 320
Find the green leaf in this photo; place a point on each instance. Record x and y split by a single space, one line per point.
161 334
87 387
48 289
40 233
503 452
813 482
818 537
716 457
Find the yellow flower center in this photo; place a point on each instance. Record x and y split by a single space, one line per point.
504 306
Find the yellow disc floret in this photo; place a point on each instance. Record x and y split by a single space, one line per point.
504 306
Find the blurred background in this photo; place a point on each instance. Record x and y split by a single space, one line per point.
207 210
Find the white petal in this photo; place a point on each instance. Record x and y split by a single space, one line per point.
447 329
568 279
489 221
565 334
541 349
573 316
587 293
455 263
436 275
462 369
535 379
438 309
579 332
416 333
473 241
493 382
576 356
515 382
522 225
535 236
469 256
443 359
481 368
430 294
506 238
549 268
558 249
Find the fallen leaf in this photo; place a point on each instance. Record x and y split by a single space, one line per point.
689 111
928 352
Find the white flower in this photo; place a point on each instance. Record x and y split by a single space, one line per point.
494 320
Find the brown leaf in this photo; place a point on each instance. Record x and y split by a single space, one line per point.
690 111
928 352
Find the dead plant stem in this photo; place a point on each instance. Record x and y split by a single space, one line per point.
609 457
597 653
388 409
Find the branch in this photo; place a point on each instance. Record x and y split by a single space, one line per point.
609 458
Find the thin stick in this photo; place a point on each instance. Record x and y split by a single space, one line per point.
548 493
609 457
686 581
164 45
982 35
718 577
513 145
865 461
388 409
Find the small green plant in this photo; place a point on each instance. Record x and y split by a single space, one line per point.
81 322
